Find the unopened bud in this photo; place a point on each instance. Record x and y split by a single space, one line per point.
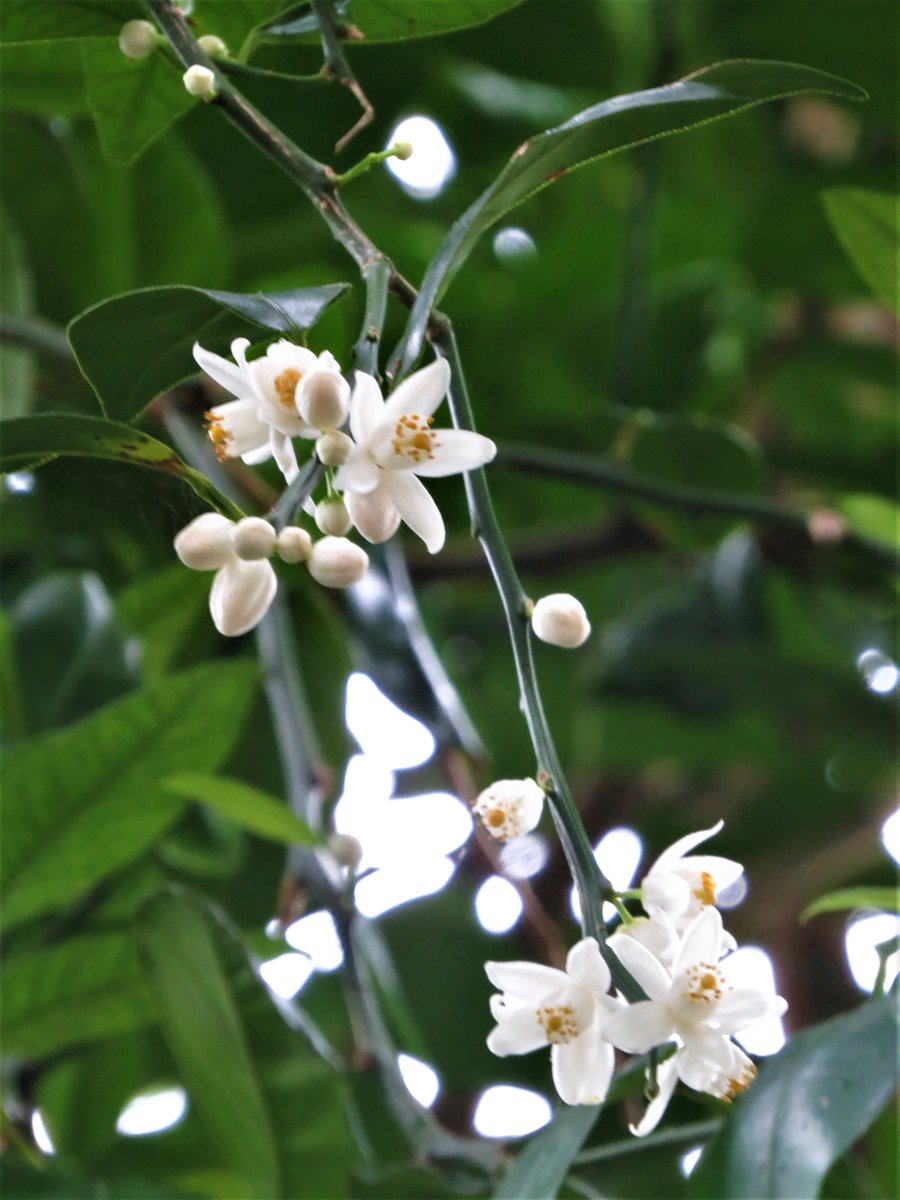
205 544
374 514
212 45
294 544
333 448
138 39
253 538
200 81
240 596
323 398
346 849
560 619
402 150
332 517
510 808
337 562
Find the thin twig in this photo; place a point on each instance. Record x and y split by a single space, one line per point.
695 1131
337 66
32 333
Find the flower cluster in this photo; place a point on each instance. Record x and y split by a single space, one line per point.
678 954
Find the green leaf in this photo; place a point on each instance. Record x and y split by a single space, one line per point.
84 989
391 20
32 441
132 100
43 77
809 1105
618 124
887 898
247 806
163 610
16 362
26 21
84 802
874 516
865 223
134 347
541 1168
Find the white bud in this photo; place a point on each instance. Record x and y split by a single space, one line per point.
240 595
333 448
346 849
336 562
323 398
200 81
138 39
374 514
294 544
253 538
205 544
212 45
560 619
402 150
332 517
510 808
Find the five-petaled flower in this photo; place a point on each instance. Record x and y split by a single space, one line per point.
679 885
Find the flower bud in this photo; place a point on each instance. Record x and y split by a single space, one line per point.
402 150
560 619
200 81
346 849
294 544
253 538
333 448
510 808
336 562
332 517
205 544
323 398
212 45
240 595
138 39
374 514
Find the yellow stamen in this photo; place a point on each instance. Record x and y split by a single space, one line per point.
217 434
286 385
706 893
705 982
558 1023
413 438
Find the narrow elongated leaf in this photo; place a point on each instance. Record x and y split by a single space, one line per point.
867 224
31 441
808 1106
390 20
613 125
545 1161
134 347
27 21
16 363
81 803
887 898
81 990
247 806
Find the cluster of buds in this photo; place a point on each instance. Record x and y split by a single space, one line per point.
678 954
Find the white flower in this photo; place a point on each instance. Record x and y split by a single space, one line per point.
560 619
510 808
682 886
200 81
695 1006
241 591
394 444
566 1010
138 39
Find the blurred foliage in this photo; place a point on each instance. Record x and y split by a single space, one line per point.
711 311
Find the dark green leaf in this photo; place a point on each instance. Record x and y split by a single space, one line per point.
697 452
16 362
134 347
543 1165
84 989
28 21
81 803
391 20
43 77
613 125
245 805
163 610
809 1105
887 898
31 441
866 225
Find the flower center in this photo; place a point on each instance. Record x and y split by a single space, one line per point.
559 1023
413 438
286 385
706 892
503 818
705 982
217 434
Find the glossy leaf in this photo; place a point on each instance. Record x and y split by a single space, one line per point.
544 1163
391 20
134 347
82 803
245 805
26 21
618 124
31 441
809 1105
866 224
887 898
81 990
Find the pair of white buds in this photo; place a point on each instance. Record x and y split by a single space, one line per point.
245 582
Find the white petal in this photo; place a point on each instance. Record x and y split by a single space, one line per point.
358 474
666 1078
518 1031
665 892
328 362
574 1070
724 871
644 966
525 980
416 508
255 457
373 514
283 453
240 595
744 1007
704 1062
585 966
456 450
702 942
421 393
366 407
639 1027
222 371
683 845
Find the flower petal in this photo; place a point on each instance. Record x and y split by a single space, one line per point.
639 1027
416 507
366 407
226 374
456 450
585 966
283 453
743 1007
724 871
702 942
358 474
525 980
683 845
518 1031
666 1078
421 393
374 514
240 595
644 966
582 1069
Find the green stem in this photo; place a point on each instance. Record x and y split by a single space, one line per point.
285 510
32 333
364 165
376 276
695 1131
